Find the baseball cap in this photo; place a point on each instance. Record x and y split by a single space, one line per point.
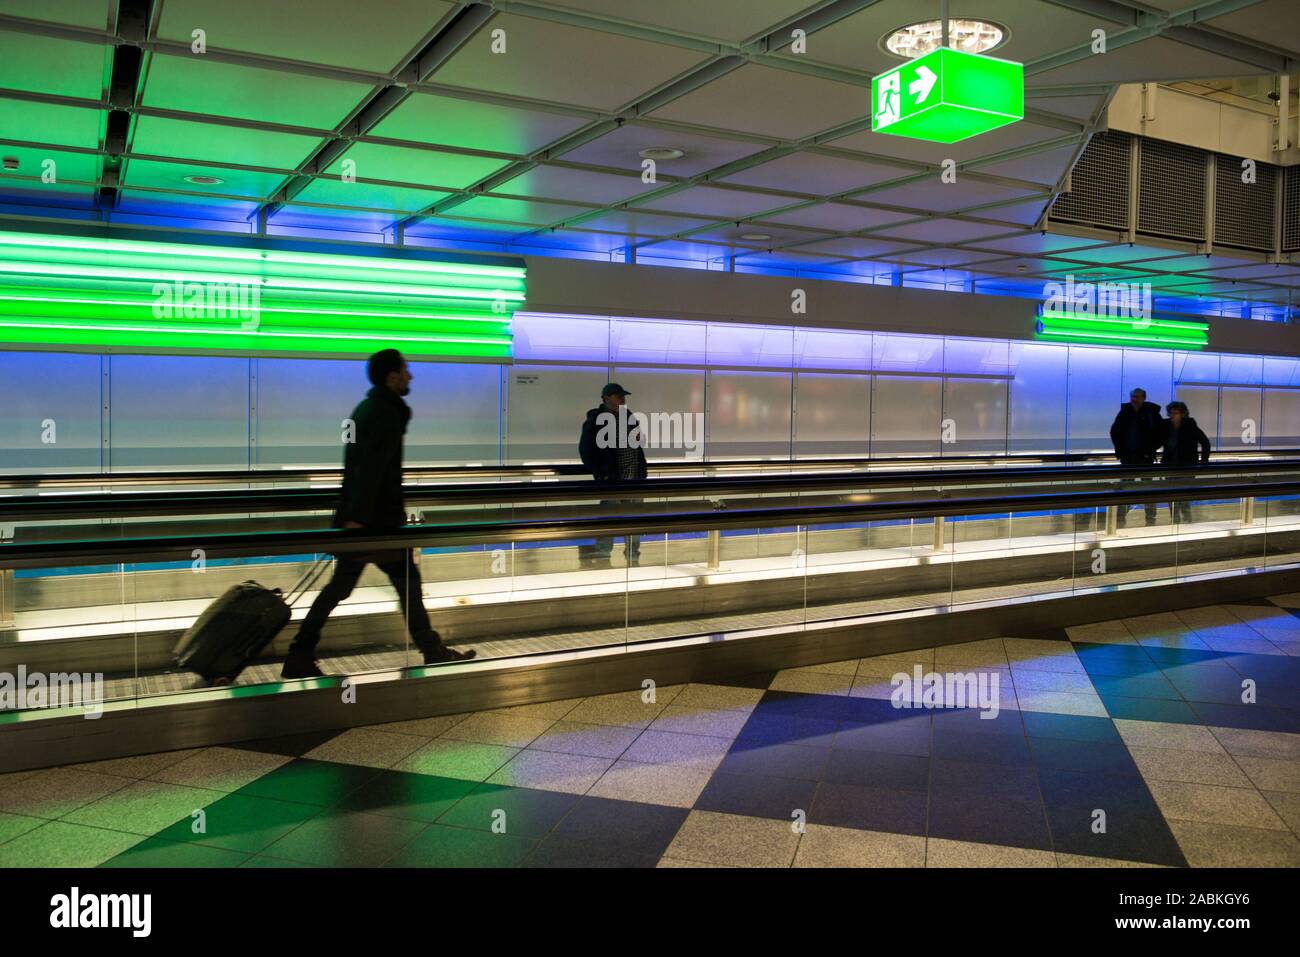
613 388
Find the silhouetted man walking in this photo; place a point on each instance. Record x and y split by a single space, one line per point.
371 498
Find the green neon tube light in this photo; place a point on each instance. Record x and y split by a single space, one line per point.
1114 330
91 292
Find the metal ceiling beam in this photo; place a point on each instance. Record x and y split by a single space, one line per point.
448 37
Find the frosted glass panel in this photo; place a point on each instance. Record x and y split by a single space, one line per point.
738 345
51 412
1196 367
749 415
905 414
822 349
1281 418
456 414
1095 398
1036 423
547 406
575 338
975 416
673 394
908 353
1241 370
636 340
832 415
178 412
1149 369
1240 412
1203 405
976 357
301 405
1281 371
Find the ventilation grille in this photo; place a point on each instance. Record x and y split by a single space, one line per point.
1291 211
1243 212
1098 193
1171 191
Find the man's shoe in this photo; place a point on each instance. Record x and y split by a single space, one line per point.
300 666
442 654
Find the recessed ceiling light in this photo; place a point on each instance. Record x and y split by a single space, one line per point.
204 180
10 162
662 153
755 237
969 36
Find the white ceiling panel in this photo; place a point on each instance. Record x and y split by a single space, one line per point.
770 102
730 22
933 194
840 217
307 30
710 201
942 231
1154 59
473 124
817 174
621 149
584 186
539 58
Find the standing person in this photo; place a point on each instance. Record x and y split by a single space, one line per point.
371 498
1136 434
1183 444
611 446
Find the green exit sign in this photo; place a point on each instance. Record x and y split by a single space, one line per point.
948 95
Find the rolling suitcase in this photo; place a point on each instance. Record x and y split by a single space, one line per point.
234 629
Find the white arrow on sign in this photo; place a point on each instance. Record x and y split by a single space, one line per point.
923 84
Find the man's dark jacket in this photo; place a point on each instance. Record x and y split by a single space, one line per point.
1188 446
603 462
1149 433
372 464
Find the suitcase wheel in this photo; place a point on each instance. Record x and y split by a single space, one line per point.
222 681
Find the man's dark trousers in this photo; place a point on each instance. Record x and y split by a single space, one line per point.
401 570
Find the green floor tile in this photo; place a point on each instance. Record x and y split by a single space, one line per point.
56 844
144 808
338 838
321 783
261 860
239 822
155 852
456 847
415 797
11 825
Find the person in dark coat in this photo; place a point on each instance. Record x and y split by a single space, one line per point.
611 447
1183 443
1136 434
371 498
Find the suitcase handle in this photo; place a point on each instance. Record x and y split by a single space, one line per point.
307 580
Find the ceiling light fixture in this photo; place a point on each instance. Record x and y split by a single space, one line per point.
969 36
10 163
662 153
755 237
199 180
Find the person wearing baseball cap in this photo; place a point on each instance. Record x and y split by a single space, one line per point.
611 447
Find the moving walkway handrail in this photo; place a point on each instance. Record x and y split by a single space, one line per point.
108 505
417 474
237 544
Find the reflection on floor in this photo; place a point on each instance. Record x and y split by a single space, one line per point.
1125 743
